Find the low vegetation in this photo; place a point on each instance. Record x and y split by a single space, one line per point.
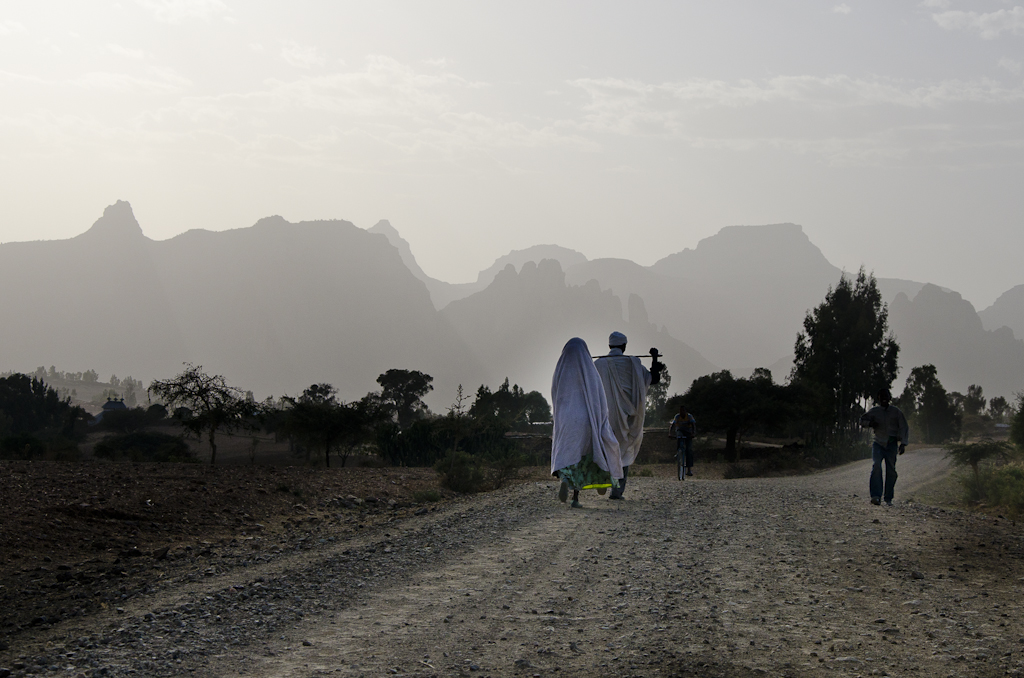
844 354
144 446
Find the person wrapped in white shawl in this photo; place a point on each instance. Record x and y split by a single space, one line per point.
625 385
584 452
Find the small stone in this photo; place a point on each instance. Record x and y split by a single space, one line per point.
306 643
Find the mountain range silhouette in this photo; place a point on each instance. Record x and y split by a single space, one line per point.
278 306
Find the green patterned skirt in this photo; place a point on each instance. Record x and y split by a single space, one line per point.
586 475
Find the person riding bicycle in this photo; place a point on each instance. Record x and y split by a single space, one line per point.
684 426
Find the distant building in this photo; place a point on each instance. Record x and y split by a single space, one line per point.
111 405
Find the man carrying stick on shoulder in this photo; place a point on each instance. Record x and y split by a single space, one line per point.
625 384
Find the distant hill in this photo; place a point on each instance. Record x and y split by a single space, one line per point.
278 306
518 325
443 293
89 302
942 328
274 307
1008 311
738 297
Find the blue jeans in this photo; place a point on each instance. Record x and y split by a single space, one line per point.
886 453
684 447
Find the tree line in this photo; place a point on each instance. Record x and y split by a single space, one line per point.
393 422
844 354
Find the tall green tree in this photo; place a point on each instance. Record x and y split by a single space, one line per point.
402 392
928 407
657 396
720 402
29 407
997 407
1017 423
510 405
320 421
211 404
846 351
974 401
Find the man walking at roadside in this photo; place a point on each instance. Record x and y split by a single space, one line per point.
684 426
891 433
625 385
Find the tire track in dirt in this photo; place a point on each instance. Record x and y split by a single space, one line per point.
785 576
774 576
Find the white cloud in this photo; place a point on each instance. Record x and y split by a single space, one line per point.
1010 65
400 112
300 56
935 4
156 81
127 52
829 92
842 119
8 27
842 9
988 25
176 11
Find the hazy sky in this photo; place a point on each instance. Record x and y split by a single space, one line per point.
892 131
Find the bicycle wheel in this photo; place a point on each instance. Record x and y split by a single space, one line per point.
680 468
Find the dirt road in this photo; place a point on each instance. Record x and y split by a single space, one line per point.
794 577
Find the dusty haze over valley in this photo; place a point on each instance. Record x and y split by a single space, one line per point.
283 287
890 132
713 168
280 305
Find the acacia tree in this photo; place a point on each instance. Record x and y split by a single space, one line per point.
846 351
211 404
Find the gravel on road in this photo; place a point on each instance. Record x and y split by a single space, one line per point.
796 576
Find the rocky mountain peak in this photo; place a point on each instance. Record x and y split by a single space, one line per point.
749 251
118 221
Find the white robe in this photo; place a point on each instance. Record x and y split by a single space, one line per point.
580 413
625 385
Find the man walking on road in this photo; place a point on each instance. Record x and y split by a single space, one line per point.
684 426
625 385
891 432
